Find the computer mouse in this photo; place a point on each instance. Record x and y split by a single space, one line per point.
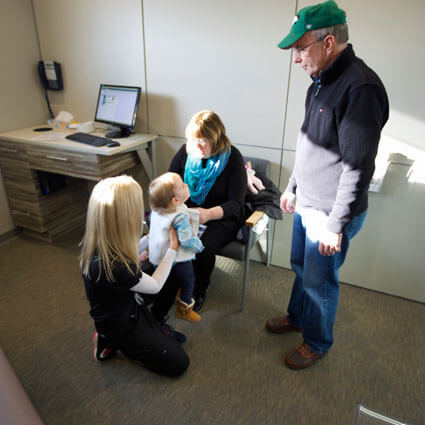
113 144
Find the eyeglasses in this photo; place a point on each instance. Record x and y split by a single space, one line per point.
201 142
301 50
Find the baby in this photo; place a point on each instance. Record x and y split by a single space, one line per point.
167 197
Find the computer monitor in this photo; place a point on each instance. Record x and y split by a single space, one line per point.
117 106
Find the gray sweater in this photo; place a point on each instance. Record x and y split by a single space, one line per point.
345 111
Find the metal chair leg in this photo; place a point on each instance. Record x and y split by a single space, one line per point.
246 269
269 242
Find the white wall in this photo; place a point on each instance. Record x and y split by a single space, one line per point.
217 55
21 99
222 55
96 41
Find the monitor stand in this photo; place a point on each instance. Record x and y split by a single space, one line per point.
118 133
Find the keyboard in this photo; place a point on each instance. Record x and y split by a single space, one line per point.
88 139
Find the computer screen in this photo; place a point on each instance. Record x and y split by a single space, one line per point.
117 105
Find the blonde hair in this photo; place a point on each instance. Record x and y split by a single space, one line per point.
161 191
207 124
113 225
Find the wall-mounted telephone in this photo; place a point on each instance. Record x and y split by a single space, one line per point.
50 75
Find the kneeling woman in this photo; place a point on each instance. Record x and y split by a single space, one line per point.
215 173
112 277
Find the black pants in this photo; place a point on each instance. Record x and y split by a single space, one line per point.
217 235
142 339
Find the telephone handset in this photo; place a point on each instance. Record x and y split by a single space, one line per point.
51 79
50 75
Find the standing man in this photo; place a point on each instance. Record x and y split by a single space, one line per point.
345 110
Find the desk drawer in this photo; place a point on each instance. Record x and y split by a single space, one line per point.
82 165
19 180
13 150
62 162
27 220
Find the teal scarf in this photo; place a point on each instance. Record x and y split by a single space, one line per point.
201 179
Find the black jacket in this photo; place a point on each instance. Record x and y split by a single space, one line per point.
335 158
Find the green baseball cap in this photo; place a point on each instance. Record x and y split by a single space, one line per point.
321 15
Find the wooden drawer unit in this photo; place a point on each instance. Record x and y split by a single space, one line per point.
54 214
91 167
27 220
17 176
45 216
20 185
20 182
11 150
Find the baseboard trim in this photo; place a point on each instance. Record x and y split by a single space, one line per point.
4 237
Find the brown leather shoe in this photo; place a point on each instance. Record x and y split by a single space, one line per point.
302 357
280 325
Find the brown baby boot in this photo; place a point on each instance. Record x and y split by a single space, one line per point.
185 311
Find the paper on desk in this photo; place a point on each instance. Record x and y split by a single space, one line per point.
49 137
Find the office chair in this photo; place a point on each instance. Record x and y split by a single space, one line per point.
240 250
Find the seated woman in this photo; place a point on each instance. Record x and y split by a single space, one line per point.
215 173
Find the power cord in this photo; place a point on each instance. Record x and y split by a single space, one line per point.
48 104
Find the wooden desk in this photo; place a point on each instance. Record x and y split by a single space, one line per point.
22 152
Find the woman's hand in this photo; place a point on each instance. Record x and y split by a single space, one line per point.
174 240
203 215
208 214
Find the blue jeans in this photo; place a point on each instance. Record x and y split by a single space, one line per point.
314 296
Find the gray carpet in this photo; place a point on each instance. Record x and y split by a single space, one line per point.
237 375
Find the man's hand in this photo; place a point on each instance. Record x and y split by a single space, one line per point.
330 243
287 202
